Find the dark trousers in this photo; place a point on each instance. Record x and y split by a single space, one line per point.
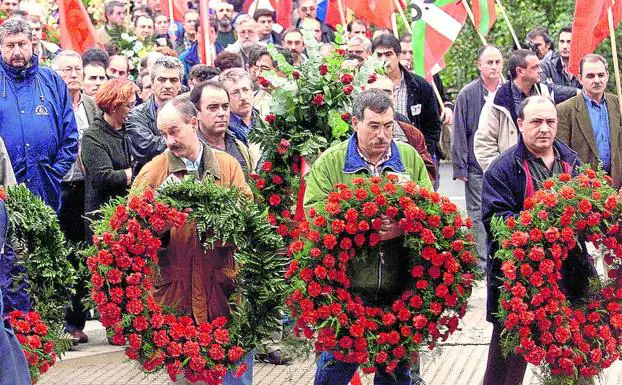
71 218
501 370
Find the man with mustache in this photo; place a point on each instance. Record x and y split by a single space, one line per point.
591 123
370 151
37 121
469 104
212 102
239 86
193 280
512 178
145 139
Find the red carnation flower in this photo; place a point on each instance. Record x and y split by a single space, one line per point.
346 79
270 118
323 69
318 100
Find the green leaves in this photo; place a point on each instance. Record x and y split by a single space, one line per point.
223 214
35 235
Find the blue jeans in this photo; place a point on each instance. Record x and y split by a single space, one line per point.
245 379
333 372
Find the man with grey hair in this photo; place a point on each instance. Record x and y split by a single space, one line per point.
239 86
591 123
190 270
68 65
115 14
37 121
246 29
145 140
359 45
371 151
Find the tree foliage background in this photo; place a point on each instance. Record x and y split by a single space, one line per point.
524 15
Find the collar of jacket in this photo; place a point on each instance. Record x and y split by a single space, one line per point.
566 154
21 73
210 164
354 162
102 124
409 77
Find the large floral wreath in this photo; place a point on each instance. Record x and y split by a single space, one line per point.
441 260
126 252
36 277
308 113
567 341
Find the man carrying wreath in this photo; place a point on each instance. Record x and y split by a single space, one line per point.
512 178
193 280
371 151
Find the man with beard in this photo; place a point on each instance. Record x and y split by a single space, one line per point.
37 121
246 28
591 123
145 139
224 14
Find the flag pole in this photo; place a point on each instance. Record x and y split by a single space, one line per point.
342 13
205 25
616 65
394 25
403 15
507 20
469 12
172 26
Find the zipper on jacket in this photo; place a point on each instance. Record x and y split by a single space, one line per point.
380 264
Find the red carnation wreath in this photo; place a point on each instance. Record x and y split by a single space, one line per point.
441 260
37 344
568 343
121 264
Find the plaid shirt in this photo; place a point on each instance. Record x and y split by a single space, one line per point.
401 97
373 167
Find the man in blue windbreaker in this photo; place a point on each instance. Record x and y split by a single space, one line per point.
37 122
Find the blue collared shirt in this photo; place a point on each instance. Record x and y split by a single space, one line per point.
239 128
355 162
599 117
194 166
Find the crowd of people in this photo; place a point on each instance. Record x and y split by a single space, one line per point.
84 130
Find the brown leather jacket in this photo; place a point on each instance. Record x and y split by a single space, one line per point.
417 140
192 280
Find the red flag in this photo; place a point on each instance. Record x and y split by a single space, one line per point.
333 17
590 28
179 8
204 57
283 9
76 29
375 12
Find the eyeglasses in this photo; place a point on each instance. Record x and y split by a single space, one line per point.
69 70
130 105
308 9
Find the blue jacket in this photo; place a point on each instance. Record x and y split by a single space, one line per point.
503 193
13 365
38 127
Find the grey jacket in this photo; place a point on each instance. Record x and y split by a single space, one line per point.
145 139
467 111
